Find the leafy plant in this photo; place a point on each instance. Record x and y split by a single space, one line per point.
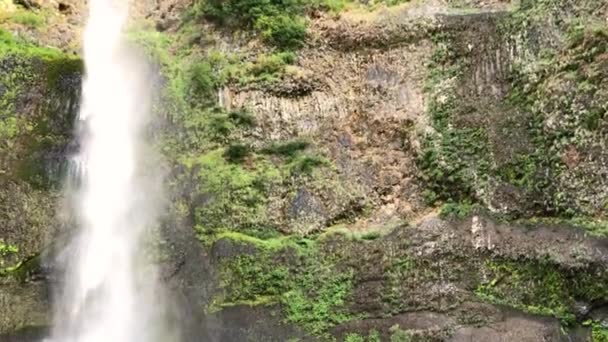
236 153
281 22
286 149
25 17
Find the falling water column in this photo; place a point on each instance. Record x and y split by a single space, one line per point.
102 298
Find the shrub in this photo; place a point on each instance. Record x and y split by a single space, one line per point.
242 118
236 153
202 81
304 165
353 337
27 18
287 149
287 32
281 22
269 66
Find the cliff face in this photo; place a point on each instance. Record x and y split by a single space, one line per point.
387 171
39 92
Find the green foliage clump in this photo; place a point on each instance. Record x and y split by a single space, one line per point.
372 336
298 162
353 337
286 149
288 32
10 45
242 118
256 276
454 158
458 210
25 17
202 82
311 291
236 153
314 304
236 195
28 68
599 331
306 164
7 250
398 273
265 69
281 22
399 335
8 128
538 288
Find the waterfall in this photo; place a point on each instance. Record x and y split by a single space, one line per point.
109 293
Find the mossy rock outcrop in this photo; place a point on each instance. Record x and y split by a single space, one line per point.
39 97
429 171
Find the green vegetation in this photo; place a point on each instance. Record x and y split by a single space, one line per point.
33 68
373 336
540 287
458 210
572 95
10 45
401 271
265 69
237 195
286 149
399 335
594 227
310 289
281 23
25 17
7 251
354 338
599 331
453 159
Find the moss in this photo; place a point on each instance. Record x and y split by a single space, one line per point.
369 235
32 19
599 332
458 210
236 194
274 244
236 153
7 251
353 337
286 149
31 69
265 69
454 159
281 24
9 45
400 271
306 164
400 335
310 289
593 226
535 287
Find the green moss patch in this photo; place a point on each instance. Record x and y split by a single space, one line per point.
541 287
454 159
47 120
299 276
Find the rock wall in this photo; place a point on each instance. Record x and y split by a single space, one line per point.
428 171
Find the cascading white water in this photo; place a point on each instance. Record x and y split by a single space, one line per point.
108 295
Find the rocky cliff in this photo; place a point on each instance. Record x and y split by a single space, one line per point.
338 170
